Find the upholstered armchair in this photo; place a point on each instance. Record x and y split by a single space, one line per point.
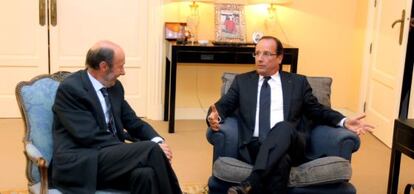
324 141
35 99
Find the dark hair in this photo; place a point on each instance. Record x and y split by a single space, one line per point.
279 46
97 55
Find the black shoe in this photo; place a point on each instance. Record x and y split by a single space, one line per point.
243 188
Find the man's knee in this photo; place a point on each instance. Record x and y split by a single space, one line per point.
283 129
143 174
143 180
285 126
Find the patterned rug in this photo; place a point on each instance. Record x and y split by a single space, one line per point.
187 189
194 189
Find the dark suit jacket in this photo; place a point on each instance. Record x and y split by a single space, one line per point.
298 101
80 130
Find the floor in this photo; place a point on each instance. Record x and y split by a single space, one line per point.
192 158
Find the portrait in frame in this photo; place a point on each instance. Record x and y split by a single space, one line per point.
175 30
230 23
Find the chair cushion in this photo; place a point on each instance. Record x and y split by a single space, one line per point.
227 79
325 170
231 170
321 87
37 100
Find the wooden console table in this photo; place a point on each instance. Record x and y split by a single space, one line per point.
225 54
403 142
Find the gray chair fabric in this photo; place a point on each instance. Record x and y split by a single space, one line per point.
35 99
326 170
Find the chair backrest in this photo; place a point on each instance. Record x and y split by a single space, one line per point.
321 87
35 99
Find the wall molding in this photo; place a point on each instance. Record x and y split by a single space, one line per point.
155 60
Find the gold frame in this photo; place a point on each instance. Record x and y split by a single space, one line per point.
230 25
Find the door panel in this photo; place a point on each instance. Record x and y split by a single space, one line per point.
386 68
82 23
23 50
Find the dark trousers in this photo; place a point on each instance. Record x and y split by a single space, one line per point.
282 147
139 167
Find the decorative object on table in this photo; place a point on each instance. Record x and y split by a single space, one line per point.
175 30
203 42
256 36
230 23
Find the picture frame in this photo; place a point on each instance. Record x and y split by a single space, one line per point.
230 23
175 30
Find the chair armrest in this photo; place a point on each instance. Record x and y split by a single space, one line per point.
34 154
224 141
37 158
333 141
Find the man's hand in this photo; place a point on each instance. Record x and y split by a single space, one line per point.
166 150
357 125
213 118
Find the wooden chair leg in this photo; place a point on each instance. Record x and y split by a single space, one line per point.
44 187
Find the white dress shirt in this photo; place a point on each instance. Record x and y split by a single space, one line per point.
98 86
276 102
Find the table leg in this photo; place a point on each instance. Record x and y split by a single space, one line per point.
167 88
394 171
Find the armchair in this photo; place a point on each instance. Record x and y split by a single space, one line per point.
324 141
35 99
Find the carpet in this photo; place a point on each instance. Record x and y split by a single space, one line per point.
186 188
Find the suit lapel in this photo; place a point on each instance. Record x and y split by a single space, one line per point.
287 93
87 85
253 84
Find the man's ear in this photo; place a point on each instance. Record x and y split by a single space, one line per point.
103 66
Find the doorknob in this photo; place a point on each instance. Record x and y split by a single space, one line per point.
42 12
53 11
402 21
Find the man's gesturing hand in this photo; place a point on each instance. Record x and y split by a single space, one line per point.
358 126
213 118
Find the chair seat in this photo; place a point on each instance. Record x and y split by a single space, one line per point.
35 189
217 186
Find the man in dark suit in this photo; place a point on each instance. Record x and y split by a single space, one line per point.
90 115
270 106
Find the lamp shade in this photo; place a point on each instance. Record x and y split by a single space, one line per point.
202 1
242 2
276 2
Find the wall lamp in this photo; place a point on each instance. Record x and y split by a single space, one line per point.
272 4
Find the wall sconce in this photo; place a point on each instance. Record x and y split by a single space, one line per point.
193 18
194 9
272 5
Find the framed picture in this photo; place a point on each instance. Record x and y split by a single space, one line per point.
230 23
175 30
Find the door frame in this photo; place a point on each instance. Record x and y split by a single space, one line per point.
155 60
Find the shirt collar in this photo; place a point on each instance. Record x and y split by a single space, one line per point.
273 77
95 83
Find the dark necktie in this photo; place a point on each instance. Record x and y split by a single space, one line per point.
264 110
111 122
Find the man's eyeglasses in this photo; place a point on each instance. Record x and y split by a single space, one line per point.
265 54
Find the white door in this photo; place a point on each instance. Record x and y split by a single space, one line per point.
386 67
23 50
81 23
